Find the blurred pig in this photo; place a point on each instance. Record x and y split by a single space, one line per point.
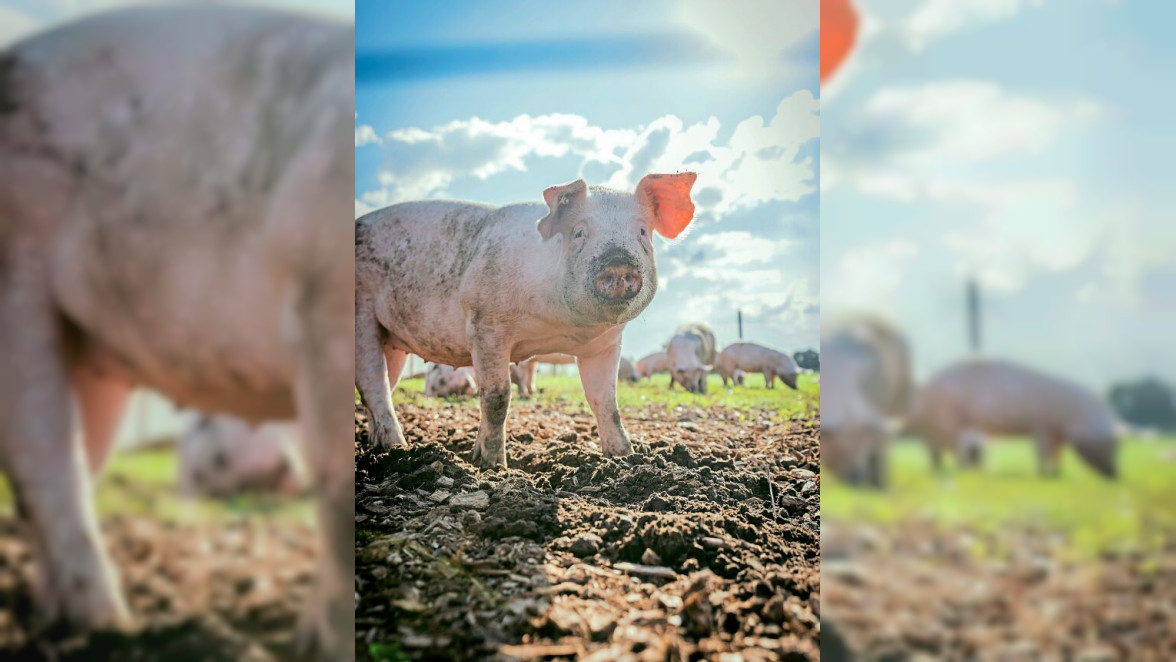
865 392
690 354
175 189
651 364
523 373
627 372
223 456
751 357
969 400
442 381
506 284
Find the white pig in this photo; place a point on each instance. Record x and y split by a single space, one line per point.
523 373
980 397
175 194
865 392
222 456
751 357
627 372
505 284
651 364
442 381
690 354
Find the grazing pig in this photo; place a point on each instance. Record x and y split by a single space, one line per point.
651 364
222 456
506 284
523 373
442 381
175 184
865 391
964 403
690 354
627 372
750 357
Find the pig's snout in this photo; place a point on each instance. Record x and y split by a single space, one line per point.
617 280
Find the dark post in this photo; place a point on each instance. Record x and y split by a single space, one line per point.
739 318
973 294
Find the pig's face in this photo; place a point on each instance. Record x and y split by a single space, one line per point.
608 273
682 354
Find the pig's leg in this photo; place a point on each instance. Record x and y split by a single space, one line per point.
672 380
102 399
44 459
532 368
372 376
770 378
1049 451
492 364
323 350
598 375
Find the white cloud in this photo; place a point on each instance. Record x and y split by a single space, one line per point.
871 275
14 25
366 135
935 19
362 208
759 163
756 32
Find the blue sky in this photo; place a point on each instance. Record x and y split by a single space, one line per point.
1026 143
496 103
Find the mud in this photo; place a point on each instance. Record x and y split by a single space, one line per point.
918 592
199 592
705 541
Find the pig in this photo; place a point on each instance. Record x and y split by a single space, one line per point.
222 456
751 357
442 381
507 284
865 394
174 187
523 373
961 405
739 378
690 354
651 364
627 372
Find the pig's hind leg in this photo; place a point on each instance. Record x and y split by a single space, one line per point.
492 365
44 458
376 374
598 375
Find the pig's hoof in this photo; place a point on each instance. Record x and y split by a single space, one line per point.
89 609
617 448
489 458
387 435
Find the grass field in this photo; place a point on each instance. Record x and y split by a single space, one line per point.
1135 513
559 390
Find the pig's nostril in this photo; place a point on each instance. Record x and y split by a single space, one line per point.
617 281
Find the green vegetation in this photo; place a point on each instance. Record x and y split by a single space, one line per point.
1135 513
565 390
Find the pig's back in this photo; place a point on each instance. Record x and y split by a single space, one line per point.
706 338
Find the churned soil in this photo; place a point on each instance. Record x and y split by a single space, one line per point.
922 592
229 591
705 541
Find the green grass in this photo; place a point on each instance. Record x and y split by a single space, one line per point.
143 483
565 390
1135 513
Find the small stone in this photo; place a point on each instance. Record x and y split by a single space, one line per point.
439 496
650 557
478 500
470 518
586 545
445 481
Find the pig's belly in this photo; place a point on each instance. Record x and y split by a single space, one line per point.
206 338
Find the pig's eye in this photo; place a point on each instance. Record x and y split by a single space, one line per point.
579 233
642 232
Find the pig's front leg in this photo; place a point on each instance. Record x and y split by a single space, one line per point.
492 364
598 374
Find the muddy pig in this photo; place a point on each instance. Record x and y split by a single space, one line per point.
690 354
960 406
442 381
175 184
505 284
751 357
865 393
223 456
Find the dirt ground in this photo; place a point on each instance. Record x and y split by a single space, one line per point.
230 591
915 592
704 542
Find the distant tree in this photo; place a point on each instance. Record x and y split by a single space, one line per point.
1147 402
808 360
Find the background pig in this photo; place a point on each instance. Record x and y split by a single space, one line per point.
651 364
989 397
751 357
506 284
442 381
627 371
222 456
174 191
865 392
523 373
690 354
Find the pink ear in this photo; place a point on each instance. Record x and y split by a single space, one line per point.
560 200
669 197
